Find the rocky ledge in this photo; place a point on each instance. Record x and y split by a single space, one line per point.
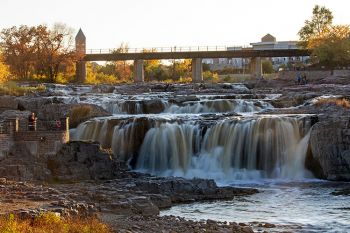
127 204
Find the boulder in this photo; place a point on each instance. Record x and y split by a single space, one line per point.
330 149
153 106
83 161
8 102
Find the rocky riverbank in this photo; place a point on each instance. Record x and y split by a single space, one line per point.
83 180
127 204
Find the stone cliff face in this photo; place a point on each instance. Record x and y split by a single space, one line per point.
330 147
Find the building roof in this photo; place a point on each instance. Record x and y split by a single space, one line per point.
80 36
268 38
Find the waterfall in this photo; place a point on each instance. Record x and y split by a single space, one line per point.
230 149
267 147
219 105
123 107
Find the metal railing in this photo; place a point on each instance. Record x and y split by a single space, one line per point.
169 49
4 127
39 125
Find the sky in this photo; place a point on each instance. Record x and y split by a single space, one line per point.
164 23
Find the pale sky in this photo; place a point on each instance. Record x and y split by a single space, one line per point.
157 23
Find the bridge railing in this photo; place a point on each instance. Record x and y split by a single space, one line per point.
168 49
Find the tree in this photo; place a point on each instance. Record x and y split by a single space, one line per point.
38 50
4 70
267 67
332 49
18 45
122 69
321 20
54 48
330 44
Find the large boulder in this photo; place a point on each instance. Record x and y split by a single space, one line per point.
330 149
83 161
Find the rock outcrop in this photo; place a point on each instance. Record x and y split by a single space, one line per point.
330 147
78 161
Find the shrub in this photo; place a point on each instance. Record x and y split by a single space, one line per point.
50 222
343 102
210 77
185 80
11 88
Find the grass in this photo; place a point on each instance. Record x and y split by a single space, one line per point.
11 88
334 101
51 223
79 114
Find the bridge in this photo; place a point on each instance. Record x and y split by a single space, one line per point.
195 53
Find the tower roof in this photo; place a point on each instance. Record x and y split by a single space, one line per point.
268 38
80 35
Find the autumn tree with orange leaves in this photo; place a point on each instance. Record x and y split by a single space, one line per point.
38 50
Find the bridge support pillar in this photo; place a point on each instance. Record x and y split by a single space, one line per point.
139 73
256 67
197 70
80 71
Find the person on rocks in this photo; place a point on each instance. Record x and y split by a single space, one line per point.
304 79
298 79
58 125
32 122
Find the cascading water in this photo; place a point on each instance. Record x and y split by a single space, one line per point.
220 105
231 149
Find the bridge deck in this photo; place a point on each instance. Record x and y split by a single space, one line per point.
245 53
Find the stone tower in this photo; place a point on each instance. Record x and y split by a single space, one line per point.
80 48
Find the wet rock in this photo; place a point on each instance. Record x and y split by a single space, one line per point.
330 148
269 225
342 192
153 106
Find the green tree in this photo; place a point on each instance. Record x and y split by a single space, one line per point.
332 49
321 20
330 44
267 67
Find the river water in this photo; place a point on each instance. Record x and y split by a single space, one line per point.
304 206
225 138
